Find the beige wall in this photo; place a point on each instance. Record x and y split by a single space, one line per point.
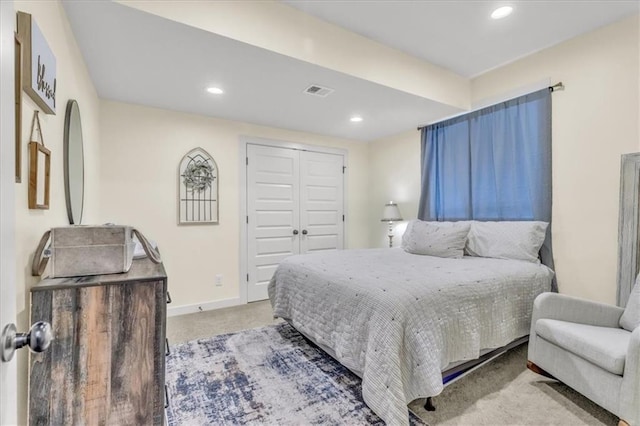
595 120
141 149
73 82
394 163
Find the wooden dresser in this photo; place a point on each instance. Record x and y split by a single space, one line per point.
106 362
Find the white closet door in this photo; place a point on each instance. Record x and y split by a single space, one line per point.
273 210
321 201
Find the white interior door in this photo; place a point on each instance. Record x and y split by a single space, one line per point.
295 204
8 380
321 201
273 213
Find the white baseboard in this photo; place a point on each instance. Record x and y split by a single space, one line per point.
173 311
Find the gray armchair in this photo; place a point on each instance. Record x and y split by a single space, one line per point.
581 344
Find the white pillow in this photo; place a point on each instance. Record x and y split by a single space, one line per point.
630 318
441 239
507 240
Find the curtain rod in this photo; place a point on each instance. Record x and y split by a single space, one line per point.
556 87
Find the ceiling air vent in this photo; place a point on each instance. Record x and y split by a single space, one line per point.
316 90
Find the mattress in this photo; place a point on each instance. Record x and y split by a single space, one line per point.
399 319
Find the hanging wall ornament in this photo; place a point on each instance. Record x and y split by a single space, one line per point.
197 188
39 167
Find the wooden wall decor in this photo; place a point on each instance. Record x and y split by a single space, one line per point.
39 168
18 109
628 226
38 64
197 188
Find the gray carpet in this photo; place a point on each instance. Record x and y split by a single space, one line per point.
504 392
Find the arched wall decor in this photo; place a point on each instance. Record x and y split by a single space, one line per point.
197 188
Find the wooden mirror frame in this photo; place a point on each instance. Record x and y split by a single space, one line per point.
36 151
18 108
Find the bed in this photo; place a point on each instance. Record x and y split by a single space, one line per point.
398 319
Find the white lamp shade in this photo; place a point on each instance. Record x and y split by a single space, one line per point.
391 213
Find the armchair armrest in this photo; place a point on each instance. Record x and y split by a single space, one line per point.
630 389
572 309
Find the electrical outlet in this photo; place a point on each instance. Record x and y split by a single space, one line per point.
218 280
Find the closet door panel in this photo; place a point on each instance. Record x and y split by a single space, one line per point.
273 210
321 201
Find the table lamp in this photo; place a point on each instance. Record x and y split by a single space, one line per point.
391 214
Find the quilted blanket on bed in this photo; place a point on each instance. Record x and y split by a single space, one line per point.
399 319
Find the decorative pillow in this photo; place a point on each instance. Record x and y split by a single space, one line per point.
507 240
630 318
441 239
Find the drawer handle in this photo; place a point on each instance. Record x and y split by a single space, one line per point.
168 297
166 397
168 352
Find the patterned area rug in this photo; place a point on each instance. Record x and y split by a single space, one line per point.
269 375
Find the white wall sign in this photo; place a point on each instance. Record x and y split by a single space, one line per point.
38 64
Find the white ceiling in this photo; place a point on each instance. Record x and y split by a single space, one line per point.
136 57
157 62
460 35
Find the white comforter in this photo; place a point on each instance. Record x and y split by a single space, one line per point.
398 319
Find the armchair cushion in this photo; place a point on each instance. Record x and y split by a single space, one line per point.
630 318
603 346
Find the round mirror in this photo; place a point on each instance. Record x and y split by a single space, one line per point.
73 163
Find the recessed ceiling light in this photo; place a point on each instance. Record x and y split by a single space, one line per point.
355 119
502 12
215 90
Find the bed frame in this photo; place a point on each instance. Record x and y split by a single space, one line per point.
450 375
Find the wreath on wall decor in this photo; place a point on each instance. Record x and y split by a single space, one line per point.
198 176
197 188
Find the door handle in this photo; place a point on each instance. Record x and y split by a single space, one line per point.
295 232
304 232
38 339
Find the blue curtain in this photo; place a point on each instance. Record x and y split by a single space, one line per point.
491 164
